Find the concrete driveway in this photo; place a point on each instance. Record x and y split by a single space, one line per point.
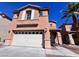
14 51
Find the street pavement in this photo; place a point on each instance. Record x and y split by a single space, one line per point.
15 51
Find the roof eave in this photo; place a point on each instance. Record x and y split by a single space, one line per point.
32 6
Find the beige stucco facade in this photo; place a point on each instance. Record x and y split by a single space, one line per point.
37 23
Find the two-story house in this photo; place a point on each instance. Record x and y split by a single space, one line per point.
31 27
5 22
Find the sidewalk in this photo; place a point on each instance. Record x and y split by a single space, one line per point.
73 48
60 52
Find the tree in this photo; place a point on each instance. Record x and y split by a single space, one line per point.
72 10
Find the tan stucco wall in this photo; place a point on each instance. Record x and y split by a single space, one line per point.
53 25
68 27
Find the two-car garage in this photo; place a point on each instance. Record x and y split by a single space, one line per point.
30 39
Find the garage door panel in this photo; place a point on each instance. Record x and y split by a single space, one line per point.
34 40
18 40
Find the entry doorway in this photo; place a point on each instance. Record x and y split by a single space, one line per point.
53 37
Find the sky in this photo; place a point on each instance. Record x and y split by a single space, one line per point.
54 11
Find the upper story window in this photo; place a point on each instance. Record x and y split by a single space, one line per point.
28 15
41 13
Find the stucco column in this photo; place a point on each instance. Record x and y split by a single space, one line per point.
59 38
71 39
47 42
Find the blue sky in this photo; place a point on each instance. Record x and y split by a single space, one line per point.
54 11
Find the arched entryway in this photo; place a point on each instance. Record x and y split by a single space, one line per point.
76 38
65 38
53 38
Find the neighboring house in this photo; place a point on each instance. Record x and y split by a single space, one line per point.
31 27
5 22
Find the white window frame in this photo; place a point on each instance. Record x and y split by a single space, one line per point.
32 14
